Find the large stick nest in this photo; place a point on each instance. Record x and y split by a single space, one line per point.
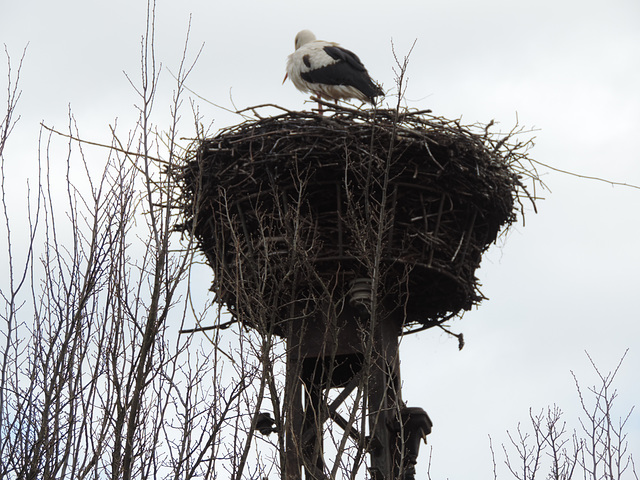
296 200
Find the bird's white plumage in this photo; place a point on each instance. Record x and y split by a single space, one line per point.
311 59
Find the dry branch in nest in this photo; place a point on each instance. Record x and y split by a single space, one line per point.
293 205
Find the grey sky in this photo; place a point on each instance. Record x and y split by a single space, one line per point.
564 283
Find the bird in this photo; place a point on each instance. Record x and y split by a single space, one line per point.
329 71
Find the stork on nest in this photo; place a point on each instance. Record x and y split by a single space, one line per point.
329 71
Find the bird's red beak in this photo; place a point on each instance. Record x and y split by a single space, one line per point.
286 75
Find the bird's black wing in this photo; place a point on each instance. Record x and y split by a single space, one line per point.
343 55
348 70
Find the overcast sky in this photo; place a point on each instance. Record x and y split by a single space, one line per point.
565 283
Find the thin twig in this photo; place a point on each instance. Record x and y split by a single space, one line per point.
587 177
102 145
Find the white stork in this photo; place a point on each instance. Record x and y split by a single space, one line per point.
328 70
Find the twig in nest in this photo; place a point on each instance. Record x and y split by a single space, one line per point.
103 145
587 177
459 336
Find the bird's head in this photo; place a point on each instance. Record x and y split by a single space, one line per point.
303 37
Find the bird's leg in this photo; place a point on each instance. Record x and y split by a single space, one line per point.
317 98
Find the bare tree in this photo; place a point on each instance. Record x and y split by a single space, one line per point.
599 450
95 380
605 453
